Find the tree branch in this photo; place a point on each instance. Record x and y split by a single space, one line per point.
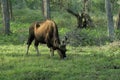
73 13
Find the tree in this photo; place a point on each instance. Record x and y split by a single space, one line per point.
118 18
83 19
78 16
6 16
10 9
46 8
0 6
118 21
110 19
85 2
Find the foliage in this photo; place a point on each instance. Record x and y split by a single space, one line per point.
29 15
77 37
117 34
31 4
98 6
86 37
90 55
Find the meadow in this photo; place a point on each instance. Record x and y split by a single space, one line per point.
95 58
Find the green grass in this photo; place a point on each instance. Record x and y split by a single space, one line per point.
82 63
88 62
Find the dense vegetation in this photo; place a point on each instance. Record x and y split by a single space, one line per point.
91 55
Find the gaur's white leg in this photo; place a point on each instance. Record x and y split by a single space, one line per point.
38 53
36 47
60 53
51 52
30 39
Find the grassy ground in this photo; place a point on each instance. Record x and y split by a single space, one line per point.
83 62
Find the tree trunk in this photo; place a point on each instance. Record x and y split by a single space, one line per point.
110 19
85 2
0 7
10 9
46 9
118 21
6 17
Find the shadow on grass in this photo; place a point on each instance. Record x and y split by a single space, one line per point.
37 75
34 55
34 74
98 61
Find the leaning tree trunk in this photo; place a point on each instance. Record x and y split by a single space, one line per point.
110 19
6 16
83 19
79 18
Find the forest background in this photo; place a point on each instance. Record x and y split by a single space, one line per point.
92 54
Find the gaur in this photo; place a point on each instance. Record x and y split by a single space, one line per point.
46 32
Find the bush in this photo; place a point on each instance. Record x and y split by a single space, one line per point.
84 37
117 34
27 16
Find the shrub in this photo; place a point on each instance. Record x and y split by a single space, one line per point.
117 34
84 37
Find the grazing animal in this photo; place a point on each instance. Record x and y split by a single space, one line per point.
46 33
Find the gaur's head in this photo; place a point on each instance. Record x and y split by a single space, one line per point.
62 48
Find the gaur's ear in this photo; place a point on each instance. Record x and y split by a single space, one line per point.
37 24
64 41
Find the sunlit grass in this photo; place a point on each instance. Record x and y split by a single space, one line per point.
81 63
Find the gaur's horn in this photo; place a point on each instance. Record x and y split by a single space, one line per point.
64 41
